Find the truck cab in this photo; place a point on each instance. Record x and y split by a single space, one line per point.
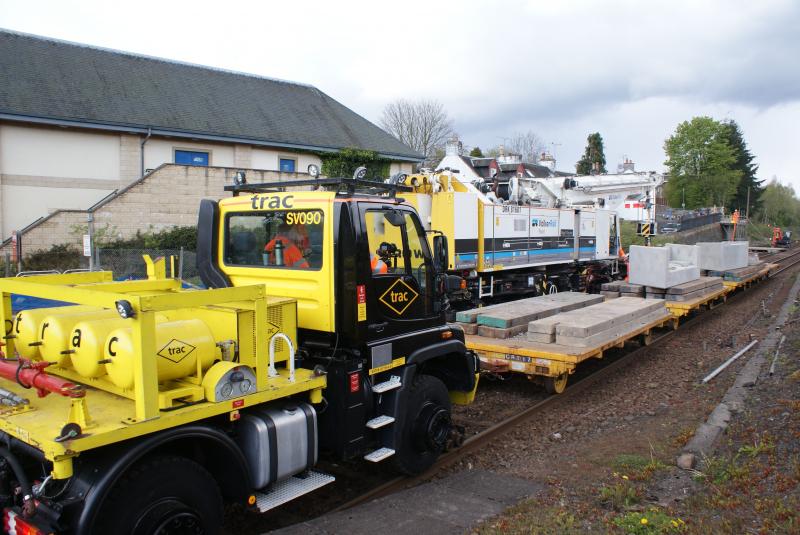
370 298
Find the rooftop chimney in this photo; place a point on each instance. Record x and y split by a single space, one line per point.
546 160
453 147
628 166
511 157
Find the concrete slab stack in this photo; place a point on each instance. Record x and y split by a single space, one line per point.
692 290
723 256
663 267
610 290
510 319
655 293
739 274
597 324
626 289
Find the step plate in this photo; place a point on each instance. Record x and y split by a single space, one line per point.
380 421
291 488
379 455
391 384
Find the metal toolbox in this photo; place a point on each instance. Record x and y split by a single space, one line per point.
278 441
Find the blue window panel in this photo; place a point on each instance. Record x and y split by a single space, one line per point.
287 165
189 157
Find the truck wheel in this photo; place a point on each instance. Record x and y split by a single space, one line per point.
163 495
426 425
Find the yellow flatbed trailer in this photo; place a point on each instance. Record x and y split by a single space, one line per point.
552 363
764 273
680 309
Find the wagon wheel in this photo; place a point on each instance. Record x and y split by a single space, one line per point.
556 385
647 338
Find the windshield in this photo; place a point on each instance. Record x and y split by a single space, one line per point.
286 239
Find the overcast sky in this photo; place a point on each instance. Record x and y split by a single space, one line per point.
631 70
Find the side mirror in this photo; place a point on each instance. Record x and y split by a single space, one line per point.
395 218
440 259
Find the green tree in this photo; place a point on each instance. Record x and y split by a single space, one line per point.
343 164
749 187
779 205
594 159
476 153
701 164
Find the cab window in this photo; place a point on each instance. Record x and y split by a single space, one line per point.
385 245
285 239
416 253
397 247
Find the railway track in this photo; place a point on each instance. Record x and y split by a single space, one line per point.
786 260
497 430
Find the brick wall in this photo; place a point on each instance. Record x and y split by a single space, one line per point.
168 196
130 158
243 156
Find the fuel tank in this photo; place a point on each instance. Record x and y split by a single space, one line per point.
179 347
56 329
87 342
26 327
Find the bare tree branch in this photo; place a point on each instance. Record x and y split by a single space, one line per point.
423 125
528 144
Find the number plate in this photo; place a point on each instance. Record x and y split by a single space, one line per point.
518 366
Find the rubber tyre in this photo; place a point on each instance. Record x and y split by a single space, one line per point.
165 495
426 426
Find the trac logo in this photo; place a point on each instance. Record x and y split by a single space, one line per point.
541 222
398 297
175 350
259 202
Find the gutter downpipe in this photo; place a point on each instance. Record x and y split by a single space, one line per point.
141 150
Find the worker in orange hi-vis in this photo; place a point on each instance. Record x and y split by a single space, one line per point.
378 266
284 251
623 257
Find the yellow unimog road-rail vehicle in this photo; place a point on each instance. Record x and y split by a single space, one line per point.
143 407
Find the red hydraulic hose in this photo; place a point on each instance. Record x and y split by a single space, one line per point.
31 374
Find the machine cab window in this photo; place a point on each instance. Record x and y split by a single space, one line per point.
398 249
285 239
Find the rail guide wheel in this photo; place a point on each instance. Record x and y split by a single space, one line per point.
556 385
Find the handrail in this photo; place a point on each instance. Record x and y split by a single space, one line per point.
273 372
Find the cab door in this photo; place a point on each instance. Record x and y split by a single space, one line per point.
397 293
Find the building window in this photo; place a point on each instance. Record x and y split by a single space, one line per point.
191 157
288 165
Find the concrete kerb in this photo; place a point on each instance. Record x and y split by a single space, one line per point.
707 433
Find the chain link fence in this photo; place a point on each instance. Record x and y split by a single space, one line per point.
129 263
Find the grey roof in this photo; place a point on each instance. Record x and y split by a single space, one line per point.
63 82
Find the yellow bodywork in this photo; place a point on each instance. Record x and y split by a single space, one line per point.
243 317
312 289
679 309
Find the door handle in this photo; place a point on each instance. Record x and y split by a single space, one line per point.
378 327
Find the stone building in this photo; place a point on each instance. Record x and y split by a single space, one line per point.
80 124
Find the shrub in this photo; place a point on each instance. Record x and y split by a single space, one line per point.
60 257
